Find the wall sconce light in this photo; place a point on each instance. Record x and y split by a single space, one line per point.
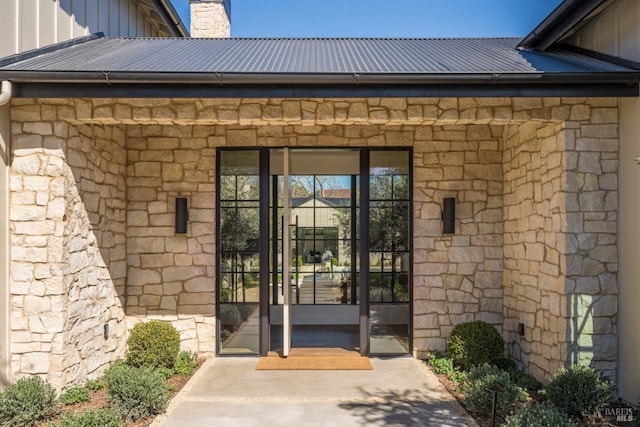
449 215
182 215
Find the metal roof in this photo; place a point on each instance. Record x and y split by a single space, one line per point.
307 56
483 61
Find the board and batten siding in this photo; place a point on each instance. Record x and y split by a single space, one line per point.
616 32
32 24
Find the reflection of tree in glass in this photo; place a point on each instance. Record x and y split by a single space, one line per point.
389 217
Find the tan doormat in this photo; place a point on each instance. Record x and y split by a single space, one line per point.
315 360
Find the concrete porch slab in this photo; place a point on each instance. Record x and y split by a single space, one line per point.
397 392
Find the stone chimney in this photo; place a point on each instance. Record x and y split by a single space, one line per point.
211 18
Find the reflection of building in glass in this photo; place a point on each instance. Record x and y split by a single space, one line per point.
319 226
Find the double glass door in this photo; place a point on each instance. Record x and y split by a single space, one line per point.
291 257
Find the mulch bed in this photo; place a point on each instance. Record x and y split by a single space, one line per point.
99 400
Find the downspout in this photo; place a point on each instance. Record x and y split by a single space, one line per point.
5 92
5 352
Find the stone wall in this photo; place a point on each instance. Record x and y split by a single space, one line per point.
534 181
172 276
457 278
67 235
561 204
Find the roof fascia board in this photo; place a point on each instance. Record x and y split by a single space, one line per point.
93 90
564 18
171 18
48 49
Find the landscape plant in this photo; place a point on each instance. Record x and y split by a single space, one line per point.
153 344
75 395
474 343
99 418
483 378
538 415
26 402
134 392
578 390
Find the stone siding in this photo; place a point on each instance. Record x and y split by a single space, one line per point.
534 180
68 245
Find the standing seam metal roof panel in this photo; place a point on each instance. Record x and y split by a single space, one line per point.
309 56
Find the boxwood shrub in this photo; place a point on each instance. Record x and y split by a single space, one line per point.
480 379
474 343
153 344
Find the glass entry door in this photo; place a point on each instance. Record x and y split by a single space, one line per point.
314 241
314 250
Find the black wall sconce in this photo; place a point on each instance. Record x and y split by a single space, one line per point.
181 215
449 215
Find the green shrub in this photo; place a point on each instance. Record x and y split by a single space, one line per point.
26 402
135 393
540 415
95 385
100 418
75 395
153 344
186 363
480 379
474 343
578 390
444 366
165 373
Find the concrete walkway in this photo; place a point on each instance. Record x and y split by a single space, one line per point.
230 392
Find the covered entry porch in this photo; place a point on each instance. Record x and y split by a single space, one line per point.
534 243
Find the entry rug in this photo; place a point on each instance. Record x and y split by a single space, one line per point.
314 361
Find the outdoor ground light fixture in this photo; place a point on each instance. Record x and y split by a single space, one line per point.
181 215
449 215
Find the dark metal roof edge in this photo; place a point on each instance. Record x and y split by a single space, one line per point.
602 56
559 22
171 17
48 49
99 90
260 79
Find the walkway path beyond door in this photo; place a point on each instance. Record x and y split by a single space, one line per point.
230 392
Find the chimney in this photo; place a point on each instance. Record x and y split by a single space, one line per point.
211 18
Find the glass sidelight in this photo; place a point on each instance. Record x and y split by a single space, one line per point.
389 252
239 260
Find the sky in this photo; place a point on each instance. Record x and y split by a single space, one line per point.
383 18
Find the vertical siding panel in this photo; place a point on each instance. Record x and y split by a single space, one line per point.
141 21
47 21
64 21
93 15
124 18
79 18
28 25
133 19
104 17
628 33
114 18
9 22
